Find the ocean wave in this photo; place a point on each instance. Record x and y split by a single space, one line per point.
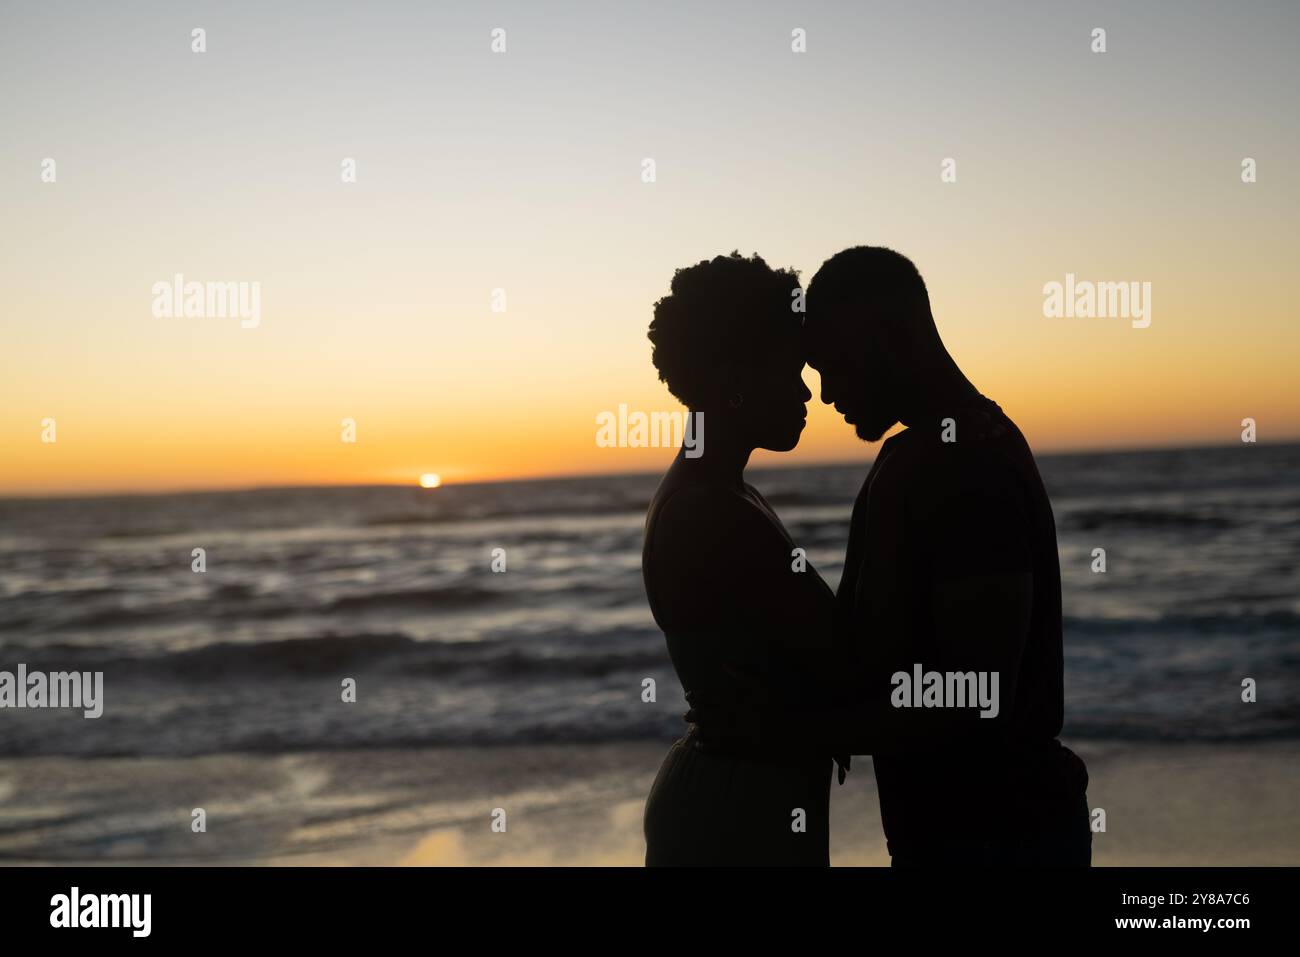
576 509
1092 519
313 724
500 660
1245 623
422 599
308 586
101 609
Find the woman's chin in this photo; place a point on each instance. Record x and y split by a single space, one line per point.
785 443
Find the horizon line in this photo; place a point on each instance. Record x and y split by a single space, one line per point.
569 476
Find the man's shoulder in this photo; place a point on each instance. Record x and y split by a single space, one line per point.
888 473
910 461
974 453
981 474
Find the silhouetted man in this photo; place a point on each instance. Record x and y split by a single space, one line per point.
951 569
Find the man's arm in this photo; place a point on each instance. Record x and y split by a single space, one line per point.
978 576
979 582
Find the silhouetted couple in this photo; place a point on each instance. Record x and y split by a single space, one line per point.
940 655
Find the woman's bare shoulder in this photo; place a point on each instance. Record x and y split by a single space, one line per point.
706 515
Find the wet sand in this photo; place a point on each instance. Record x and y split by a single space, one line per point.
568 805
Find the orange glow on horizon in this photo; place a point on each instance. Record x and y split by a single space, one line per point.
377 298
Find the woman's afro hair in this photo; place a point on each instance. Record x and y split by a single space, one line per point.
726 308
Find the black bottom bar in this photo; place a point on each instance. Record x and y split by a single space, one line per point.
333 906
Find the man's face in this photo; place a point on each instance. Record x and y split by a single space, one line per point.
856 375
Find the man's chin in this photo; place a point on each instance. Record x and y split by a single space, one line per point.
870 433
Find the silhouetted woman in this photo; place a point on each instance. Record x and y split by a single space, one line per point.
742 615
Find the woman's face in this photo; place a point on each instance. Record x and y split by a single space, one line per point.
775 407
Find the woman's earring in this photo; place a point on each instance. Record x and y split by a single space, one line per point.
737 400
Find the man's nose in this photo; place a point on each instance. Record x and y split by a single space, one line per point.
828 397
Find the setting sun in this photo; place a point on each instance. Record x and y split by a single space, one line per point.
430 480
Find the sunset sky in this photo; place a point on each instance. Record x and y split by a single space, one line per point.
522 171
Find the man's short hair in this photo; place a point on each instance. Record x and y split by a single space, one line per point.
864 274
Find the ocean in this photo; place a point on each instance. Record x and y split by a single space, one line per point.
394 588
